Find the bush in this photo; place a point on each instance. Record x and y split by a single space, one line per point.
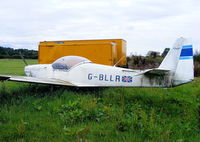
140 62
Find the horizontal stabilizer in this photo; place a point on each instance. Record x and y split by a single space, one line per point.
156 72
34 80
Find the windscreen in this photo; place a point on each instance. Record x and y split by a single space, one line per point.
66 62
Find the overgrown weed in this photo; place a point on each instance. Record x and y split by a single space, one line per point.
43 113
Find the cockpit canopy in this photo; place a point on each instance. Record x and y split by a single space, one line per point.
66 62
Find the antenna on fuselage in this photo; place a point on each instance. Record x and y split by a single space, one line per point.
23 58
119 61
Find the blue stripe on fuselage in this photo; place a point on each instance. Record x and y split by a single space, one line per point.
186 58
187 46
186 52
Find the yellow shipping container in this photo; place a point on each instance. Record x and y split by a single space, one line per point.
107 52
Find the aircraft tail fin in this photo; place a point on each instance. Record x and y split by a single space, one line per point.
179 61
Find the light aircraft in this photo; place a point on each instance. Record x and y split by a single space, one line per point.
175 69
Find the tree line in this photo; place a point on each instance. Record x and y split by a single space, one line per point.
10 53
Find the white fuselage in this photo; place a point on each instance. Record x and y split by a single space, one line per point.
91 75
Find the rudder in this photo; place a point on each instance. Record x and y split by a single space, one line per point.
185 67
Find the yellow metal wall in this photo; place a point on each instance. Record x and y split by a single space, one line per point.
106 52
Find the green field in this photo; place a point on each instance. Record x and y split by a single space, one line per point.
40 113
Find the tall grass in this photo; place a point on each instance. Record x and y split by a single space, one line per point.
38 113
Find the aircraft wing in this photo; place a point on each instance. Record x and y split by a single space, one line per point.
34 80
155 72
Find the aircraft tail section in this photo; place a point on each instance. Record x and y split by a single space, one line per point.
185 68
179 61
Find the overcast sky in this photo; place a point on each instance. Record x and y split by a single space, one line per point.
144 24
